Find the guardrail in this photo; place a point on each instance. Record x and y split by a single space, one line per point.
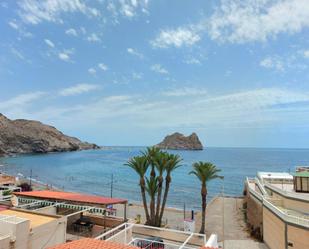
252 191
288 194
287 217
257 181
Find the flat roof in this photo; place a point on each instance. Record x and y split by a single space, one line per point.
275 175
35 219
92 244
302 174
71 197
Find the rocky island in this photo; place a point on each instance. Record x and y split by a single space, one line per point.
27 136
178 141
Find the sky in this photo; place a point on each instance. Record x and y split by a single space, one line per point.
129 72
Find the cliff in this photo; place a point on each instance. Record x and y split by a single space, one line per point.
178 141
27 136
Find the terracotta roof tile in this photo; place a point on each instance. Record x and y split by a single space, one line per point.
68 196
92 244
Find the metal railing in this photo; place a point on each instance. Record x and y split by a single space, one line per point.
291 194
287 217
260 186
120 233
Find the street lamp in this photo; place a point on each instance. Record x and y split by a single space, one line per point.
222 194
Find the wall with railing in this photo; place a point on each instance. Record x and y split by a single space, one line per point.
267 203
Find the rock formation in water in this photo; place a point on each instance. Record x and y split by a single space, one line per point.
27 136
178 141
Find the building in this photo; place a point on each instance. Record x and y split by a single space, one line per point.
87 216
20 229
276 213
301 180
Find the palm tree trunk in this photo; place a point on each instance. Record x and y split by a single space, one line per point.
145 204
157 221
152 211
167 186
203 194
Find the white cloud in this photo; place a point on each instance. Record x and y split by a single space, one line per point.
92 71
306 53
185 91
257 20
49 43
182 36
102 66
13 25
135 53
36 11
21 100
78 89
158 69
272 63
193 61
137 76
93 38
64 56
129 8
71 32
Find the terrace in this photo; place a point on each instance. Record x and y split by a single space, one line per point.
143 236
87 216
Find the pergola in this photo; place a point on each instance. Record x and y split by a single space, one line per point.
72 200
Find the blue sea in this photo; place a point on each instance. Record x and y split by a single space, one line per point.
91 171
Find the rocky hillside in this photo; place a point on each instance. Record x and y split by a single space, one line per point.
27 136
178 141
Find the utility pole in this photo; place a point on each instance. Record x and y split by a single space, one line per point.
112 183
30 182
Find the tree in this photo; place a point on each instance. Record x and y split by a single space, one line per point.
140 165
161 164
204 171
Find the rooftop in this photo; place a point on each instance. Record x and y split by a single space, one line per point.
35 219
92 244
73 197
302 174
275 175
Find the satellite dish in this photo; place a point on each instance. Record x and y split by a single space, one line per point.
14 200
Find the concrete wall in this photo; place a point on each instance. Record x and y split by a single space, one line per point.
49 234
298 205
254 215
298 238
5 242
273 230
48 210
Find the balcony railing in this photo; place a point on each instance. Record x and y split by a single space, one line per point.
291 194
153 237
287 217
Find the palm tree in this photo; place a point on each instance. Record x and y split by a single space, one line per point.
204 171
173 163
140 165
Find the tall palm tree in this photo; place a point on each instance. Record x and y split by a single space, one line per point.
172 164
204 171
140 165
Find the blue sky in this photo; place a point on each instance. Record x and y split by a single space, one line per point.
128 72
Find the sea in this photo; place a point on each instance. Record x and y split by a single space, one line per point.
103 172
